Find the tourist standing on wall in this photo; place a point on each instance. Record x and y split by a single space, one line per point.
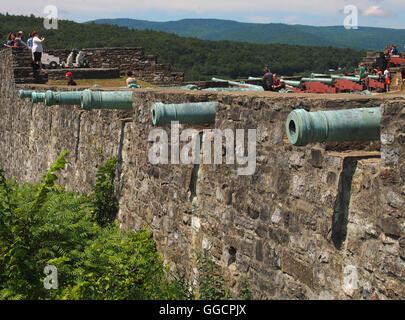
37 48
387 76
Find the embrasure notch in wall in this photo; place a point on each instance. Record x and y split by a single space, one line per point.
341 208
79 119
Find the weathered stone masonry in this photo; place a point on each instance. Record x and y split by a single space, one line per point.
308 220
145 67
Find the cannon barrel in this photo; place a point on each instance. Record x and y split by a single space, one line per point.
291 83
361 124
319 75
37 97
323 80
25 94
234 83
186 113
354 79
230 89
62 98
106 100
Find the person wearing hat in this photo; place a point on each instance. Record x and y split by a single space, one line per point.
69 76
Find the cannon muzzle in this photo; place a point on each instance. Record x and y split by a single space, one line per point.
361 124
25 94
186 113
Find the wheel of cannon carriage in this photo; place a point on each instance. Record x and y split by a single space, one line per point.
53 65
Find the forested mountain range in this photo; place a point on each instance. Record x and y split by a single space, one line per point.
368 38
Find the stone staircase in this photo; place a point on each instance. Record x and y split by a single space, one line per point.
374 60
23 69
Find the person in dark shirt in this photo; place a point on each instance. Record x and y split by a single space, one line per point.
267 79
69 76
10 39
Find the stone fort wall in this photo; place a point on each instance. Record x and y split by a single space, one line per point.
145 67
306 225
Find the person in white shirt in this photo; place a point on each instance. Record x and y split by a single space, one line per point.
37 48
387 76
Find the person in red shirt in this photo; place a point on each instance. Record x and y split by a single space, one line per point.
277 84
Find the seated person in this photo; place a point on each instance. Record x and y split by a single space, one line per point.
131 80
69 76
277 84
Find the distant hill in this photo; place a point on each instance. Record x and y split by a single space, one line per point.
368 38
199 59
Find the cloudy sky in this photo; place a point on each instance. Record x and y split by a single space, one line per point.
381 13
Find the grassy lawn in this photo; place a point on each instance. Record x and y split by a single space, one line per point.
117 82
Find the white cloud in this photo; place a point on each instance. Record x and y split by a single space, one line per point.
376 11
255 9
257 19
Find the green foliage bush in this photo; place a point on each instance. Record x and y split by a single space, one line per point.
105 203
43 224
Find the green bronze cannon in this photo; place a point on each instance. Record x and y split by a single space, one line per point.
87 99
186 113
106 100
52 98
361 124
